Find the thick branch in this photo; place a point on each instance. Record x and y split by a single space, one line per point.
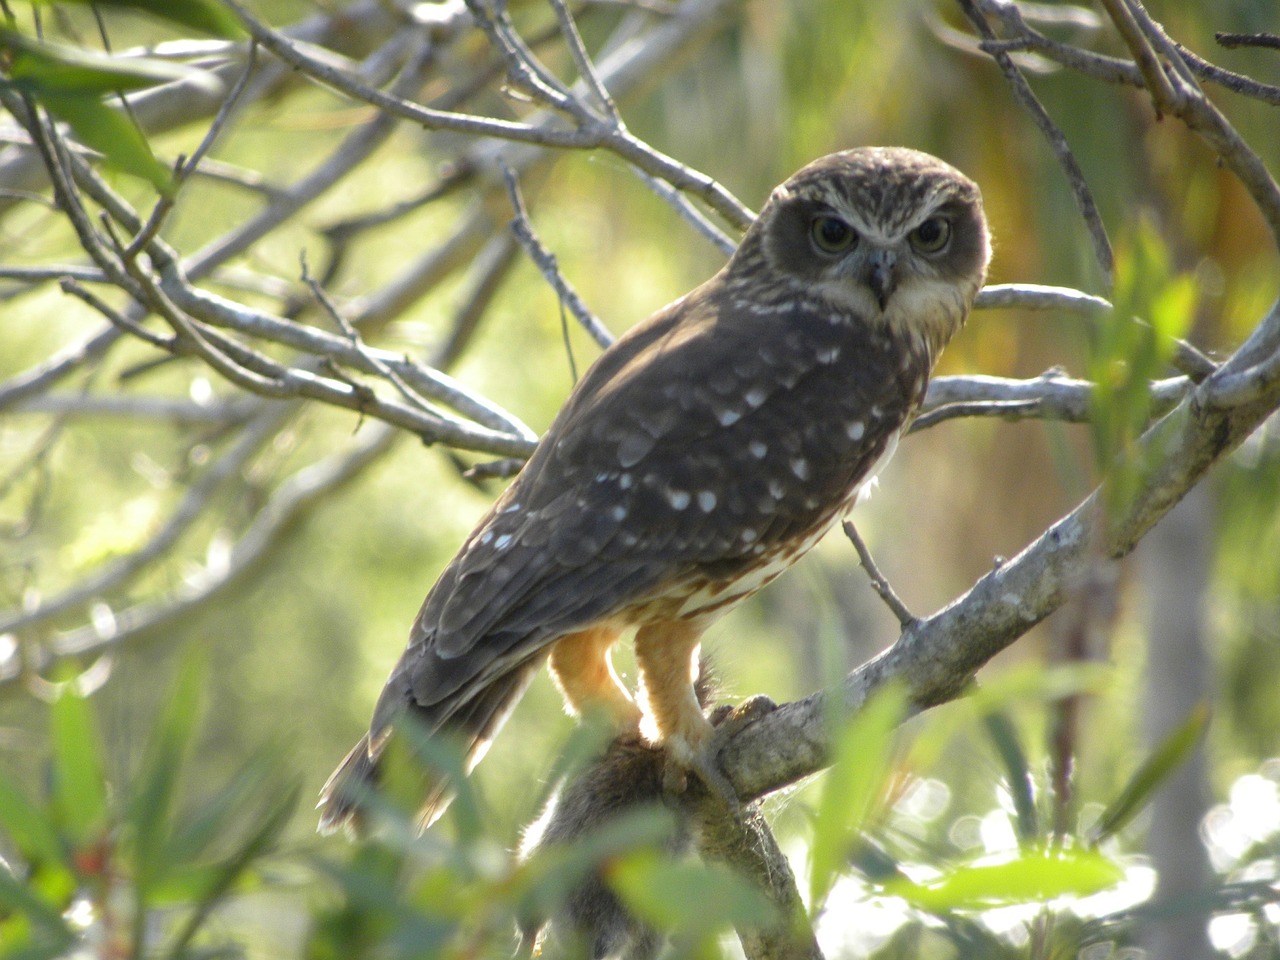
938 656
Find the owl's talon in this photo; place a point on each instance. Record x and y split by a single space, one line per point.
729 722
703 766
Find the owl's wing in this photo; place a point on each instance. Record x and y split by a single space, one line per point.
668 462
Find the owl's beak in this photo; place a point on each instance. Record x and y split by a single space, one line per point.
881 276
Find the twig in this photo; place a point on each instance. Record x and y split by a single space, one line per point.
1057 143
1010 410
382 369
546 262
1270 41
582 60
128 407
1055 395
1186 357
878 581
184 169
432 383
682 205
118 320
1157 81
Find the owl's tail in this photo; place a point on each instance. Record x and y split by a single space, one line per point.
474 724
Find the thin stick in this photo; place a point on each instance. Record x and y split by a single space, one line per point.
878 582
546 261
1057 143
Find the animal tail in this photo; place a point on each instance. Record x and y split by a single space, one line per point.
474 723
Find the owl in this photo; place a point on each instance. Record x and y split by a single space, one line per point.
699 457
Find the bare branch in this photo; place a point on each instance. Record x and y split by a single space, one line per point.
1270 41
1026 296
546 261
937 656
1057 142
878 581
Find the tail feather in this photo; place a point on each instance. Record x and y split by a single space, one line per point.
474 722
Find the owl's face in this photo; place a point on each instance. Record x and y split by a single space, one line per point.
883 235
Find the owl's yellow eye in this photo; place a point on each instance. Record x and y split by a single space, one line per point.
932 235
832 235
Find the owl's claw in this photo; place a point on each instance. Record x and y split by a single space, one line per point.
704 762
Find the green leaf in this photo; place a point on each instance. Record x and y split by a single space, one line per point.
113 135
863 755
1004 735
152 798
544 882
270 823
1033 877
19 898
687 896
206 16
1168 755
70 83
79 781
29 827
51 69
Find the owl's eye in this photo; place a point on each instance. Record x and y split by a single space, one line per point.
932 235
832 235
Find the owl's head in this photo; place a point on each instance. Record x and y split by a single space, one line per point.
882 234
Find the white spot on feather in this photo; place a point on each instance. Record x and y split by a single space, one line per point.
678 499
800 467
728 417
706 500
758 449
855 429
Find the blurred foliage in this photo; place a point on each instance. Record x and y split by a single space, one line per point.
126 807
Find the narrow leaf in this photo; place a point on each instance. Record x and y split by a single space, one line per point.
205 16
112 134
1168 755
29 827
1033 877
151 802
80 792
690 897
862 764
51 69
1004 735
20 898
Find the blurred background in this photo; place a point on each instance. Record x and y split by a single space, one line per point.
296 650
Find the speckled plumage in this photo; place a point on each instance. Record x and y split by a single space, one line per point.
700 456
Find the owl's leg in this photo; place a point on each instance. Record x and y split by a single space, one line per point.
583 670
667 658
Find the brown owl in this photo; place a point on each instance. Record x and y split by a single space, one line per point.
699 457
